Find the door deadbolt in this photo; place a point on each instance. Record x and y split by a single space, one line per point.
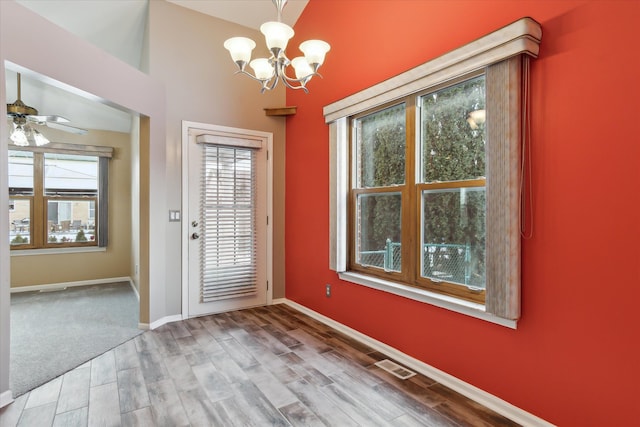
194 223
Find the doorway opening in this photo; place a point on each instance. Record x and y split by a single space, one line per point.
66 221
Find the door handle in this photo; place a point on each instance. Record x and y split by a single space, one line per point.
195 236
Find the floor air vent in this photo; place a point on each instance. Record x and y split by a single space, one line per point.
395 369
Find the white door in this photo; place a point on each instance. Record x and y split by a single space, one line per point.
227 220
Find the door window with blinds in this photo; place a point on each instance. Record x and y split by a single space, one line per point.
228 231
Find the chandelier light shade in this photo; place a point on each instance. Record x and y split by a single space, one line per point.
276 34
240 49
268 71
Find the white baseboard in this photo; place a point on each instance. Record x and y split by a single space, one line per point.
62 285
490 401
6 398
279 301
162 321
135 290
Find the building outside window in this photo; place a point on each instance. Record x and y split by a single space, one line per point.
54 196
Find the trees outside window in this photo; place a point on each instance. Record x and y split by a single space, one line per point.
447 232
423 222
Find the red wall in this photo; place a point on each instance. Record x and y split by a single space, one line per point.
574 358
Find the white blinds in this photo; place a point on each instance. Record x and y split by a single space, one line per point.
228 229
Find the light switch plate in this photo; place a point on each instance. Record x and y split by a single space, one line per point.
174 216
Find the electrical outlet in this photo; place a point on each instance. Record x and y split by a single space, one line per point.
328 290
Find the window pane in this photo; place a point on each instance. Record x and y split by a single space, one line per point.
20 172
378 230
453 245
19 222
70 174
69 221
380 147
453 132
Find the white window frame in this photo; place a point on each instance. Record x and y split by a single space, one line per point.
506 52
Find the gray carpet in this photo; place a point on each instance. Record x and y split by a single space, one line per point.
54 332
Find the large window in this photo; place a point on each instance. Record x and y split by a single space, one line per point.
426 178
54 195
440 197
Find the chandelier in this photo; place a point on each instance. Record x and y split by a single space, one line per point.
268 71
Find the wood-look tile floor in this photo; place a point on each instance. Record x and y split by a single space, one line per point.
267 366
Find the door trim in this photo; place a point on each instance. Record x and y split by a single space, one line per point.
267 138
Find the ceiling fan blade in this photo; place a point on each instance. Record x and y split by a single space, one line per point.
66 128
49 119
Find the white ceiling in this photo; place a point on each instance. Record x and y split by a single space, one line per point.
118 27
250 13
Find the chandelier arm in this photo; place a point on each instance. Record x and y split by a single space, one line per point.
303 80
281 70
291 79
280 74
246 73
290 86
268 85
288 82
263 83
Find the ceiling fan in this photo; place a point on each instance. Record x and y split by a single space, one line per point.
23 115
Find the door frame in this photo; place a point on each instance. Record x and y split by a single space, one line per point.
267 138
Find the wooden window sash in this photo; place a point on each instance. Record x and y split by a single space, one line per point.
38 233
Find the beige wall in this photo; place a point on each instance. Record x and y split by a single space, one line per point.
191 76
186 52
73 63
75 267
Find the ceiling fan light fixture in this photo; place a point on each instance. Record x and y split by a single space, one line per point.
24 115
19 136
39 138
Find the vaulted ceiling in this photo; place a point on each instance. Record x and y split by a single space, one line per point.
118 27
